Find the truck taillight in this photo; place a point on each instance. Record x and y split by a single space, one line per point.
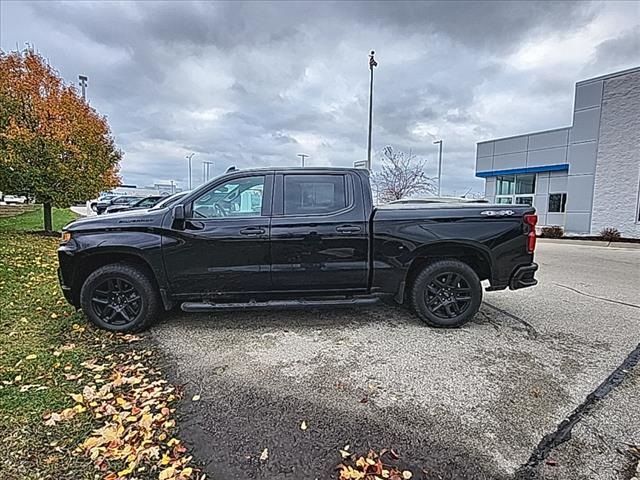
531 220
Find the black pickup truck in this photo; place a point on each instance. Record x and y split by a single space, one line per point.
294 237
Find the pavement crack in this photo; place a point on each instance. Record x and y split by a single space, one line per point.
532 333
604 299
562 433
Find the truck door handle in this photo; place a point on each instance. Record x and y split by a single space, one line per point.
252 231
348 229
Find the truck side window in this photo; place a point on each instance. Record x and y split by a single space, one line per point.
314 194
240 197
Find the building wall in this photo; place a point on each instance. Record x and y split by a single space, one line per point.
600 149
617 175
535 150
581 156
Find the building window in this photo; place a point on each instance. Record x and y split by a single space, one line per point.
557 202
515 189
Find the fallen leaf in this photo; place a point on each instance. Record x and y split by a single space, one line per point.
77 397
31 357
264 455
303 425
195 398
407 475
167 473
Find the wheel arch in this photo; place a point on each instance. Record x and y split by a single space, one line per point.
478 257
92 260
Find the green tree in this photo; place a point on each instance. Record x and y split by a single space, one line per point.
54 147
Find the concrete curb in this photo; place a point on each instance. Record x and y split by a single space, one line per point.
590 243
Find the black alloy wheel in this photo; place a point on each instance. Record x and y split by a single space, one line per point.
116 301
120 297
446 293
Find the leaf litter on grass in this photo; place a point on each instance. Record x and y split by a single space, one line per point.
134 406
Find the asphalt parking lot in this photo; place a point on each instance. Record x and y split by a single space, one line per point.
484 401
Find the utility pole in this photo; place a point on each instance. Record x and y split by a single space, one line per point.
303 156
189 157
173 189
372 63
83 84
439 142
206 170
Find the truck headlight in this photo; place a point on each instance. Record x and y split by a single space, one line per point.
66 237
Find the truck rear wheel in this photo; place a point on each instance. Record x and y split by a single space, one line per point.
120 298
446 293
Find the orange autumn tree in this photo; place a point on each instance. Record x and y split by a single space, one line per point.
54 147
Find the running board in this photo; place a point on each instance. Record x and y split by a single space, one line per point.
212 307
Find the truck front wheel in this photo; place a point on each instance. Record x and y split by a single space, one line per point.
446 293
119 297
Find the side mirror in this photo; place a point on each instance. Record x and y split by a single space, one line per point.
178 217
178 213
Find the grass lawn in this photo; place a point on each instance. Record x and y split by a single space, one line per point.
34 221
44 347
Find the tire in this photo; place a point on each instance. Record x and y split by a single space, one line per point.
446 293
120 298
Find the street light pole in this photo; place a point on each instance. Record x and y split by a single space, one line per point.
303 156
83 84
206 170
439 143
372 63
189 157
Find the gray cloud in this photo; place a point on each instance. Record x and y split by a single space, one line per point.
253 84
625 48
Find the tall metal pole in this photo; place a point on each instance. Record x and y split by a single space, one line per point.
303 156
206 166
372 63
83 83
189 157
439 142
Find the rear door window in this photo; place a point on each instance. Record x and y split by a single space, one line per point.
314 194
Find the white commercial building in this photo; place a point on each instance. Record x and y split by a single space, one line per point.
584 177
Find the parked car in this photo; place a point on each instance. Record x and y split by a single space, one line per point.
414 201
101 198
118 200
14 199
141 203
293 237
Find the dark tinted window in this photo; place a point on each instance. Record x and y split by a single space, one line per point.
147 202
313 194
125 200
525 184
557 202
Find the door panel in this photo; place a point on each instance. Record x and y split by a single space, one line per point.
327 250
224 247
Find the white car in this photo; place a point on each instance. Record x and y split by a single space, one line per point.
14 199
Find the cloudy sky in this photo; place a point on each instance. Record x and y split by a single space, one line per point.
254 84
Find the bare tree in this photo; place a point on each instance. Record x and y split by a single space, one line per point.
401 175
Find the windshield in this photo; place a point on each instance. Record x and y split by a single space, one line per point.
167 202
